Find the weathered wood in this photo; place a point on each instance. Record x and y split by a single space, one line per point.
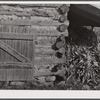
51 16
60 44
64 9
10 74
63 28
41 50
13 52
30 74
48 60
62 50
16 65
16 36
33 12
41 47
46 31
45 40
63 18
15 13
21 7
44 53
40 5
38 30
48 73
3 74
33 57
45 12
31 22
18 26
20 46
20 74
12 44
38 66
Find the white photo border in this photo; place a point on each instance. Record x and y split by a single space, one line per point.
50 94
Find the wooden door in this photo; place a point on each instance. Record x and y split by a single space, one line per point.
27 32
16 49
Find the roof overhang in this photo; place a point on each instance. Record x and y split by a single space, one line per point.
85 14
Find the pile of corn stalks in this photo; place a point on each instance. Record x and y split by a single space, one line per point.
82 64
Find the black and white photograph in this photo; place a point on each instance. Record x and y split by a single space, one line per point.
49 46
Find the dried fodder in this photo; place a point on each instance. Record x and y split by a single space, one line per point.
83 59
82 66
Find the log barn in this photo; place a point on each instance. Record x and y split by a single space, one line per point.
27 33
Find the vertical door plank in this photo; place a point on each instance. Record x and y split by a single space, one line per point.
3 74
29 74
10 74
20 74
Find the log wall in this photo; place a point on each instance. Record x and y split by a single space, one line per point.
45 22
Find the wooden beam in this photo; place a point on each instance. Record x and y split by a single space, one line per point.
16 36
31 22
40 5
46 31
49 60
20 14
48 73
10 65
13 52
15 13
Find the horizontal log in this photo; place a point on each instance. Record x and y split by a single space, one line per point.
40 5
32 19
48 12
30 22
15 13
44 52
44 12
46 31
10 8
42 31
48 73
39 9
39 74
29 7
48 60
43 19
29 14
43 66
16 36
8 65
45 40
41 47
